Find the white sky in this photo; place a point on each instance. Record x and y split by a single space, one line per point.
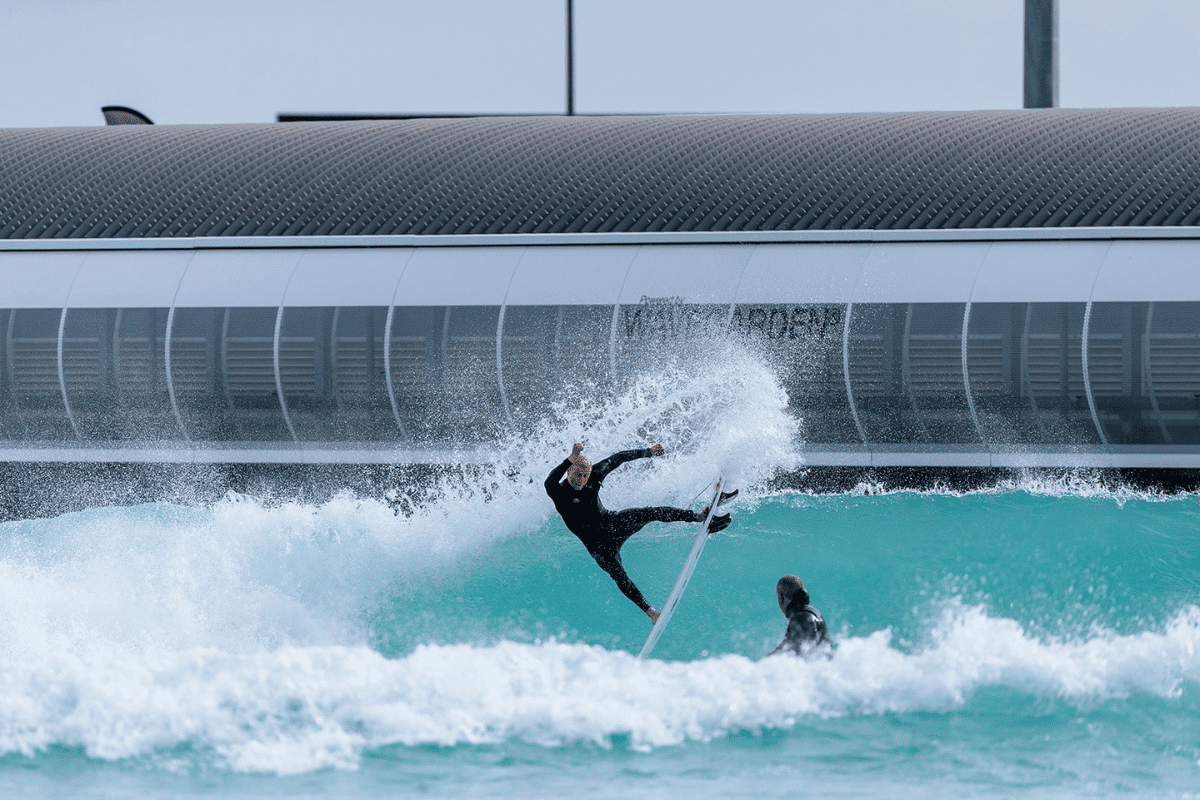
247 60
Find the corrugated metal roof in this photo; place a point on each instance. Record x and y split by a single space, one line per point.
924 171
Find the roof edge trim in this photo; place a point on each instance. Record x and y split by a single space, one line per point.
661 237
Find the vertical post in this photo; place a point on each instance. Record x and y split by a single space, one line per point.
570 58
1041 53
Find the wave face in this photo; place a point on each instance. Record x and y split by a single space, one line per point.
1040 637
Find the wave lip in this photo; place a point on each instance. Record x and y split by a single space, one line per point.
296 709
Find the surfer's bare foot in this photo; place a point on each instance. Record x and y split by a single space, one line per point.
652 614
657 450
702 515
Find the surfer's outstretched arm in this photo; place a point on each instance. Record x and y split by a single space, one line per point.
556 474
602 468
616 570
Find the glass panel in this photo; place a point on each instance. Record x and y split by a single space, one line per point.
471 411
1114 358
305 337
528 351
933 372
444 374
416 349
887 414
199 389
994 367
658 331
223 370
358 379
803 344
114 373
1171 371
331 367
1052 373
35 409
249 361
579 348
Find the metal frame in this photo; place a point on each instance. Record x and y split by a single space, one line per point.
62 378
1108 233
862 434
817 455
287 417
387 369
170 377
1087 380
967 375
500 364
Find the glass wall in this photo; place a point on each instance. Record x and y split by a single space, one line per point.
866 375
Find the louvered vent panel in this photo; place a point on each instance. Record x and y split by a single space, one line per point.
985 360
35 368
189 365
298 365
1174 363
866 367
250 366
935 365
351 367
81 365
1106 369
408 366
136 364
1045 369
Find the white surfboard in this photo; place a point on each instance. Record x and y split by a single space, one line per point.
689 566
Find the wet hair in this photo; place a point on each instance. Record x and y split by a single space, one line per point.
791 594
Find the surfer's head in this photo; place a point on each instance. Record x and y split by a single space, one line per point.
580 469
789 590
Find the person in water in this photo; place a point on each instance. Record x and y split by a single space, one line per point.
807 635
603 532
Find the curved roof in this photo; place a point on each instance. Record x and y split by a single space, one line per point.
980 169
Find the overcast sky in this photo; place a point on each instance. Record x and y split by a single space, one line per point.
247 60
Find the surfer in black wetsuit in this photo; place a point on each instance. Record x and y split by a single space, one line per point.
603 532
807 635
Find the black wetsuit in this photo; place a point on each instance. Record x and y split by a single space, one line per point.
807 634
602 531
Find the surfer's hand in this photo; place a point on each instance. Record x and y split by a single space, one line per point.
652 614
657 450
576 450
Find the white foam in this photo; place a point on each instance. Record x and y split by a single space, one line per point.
240 627
295 709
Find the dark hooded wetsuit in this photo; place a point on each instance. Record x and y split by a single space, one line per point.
602 531
807 635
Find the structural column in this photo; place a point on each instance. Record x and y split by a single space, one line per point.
1041 53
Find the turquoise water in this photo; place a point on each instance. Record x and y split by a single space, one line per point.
1039 638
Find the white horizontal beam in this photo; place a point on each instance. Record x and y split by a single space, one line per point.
816 456
651 237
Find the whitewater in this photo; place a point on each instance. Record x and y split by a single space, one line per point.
1039 636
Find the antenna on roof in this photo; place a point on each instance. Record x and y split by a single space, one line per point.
124 115
570 58
1041 53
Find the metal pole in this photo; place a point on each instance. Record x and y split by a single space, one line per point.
570 58
1041 53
